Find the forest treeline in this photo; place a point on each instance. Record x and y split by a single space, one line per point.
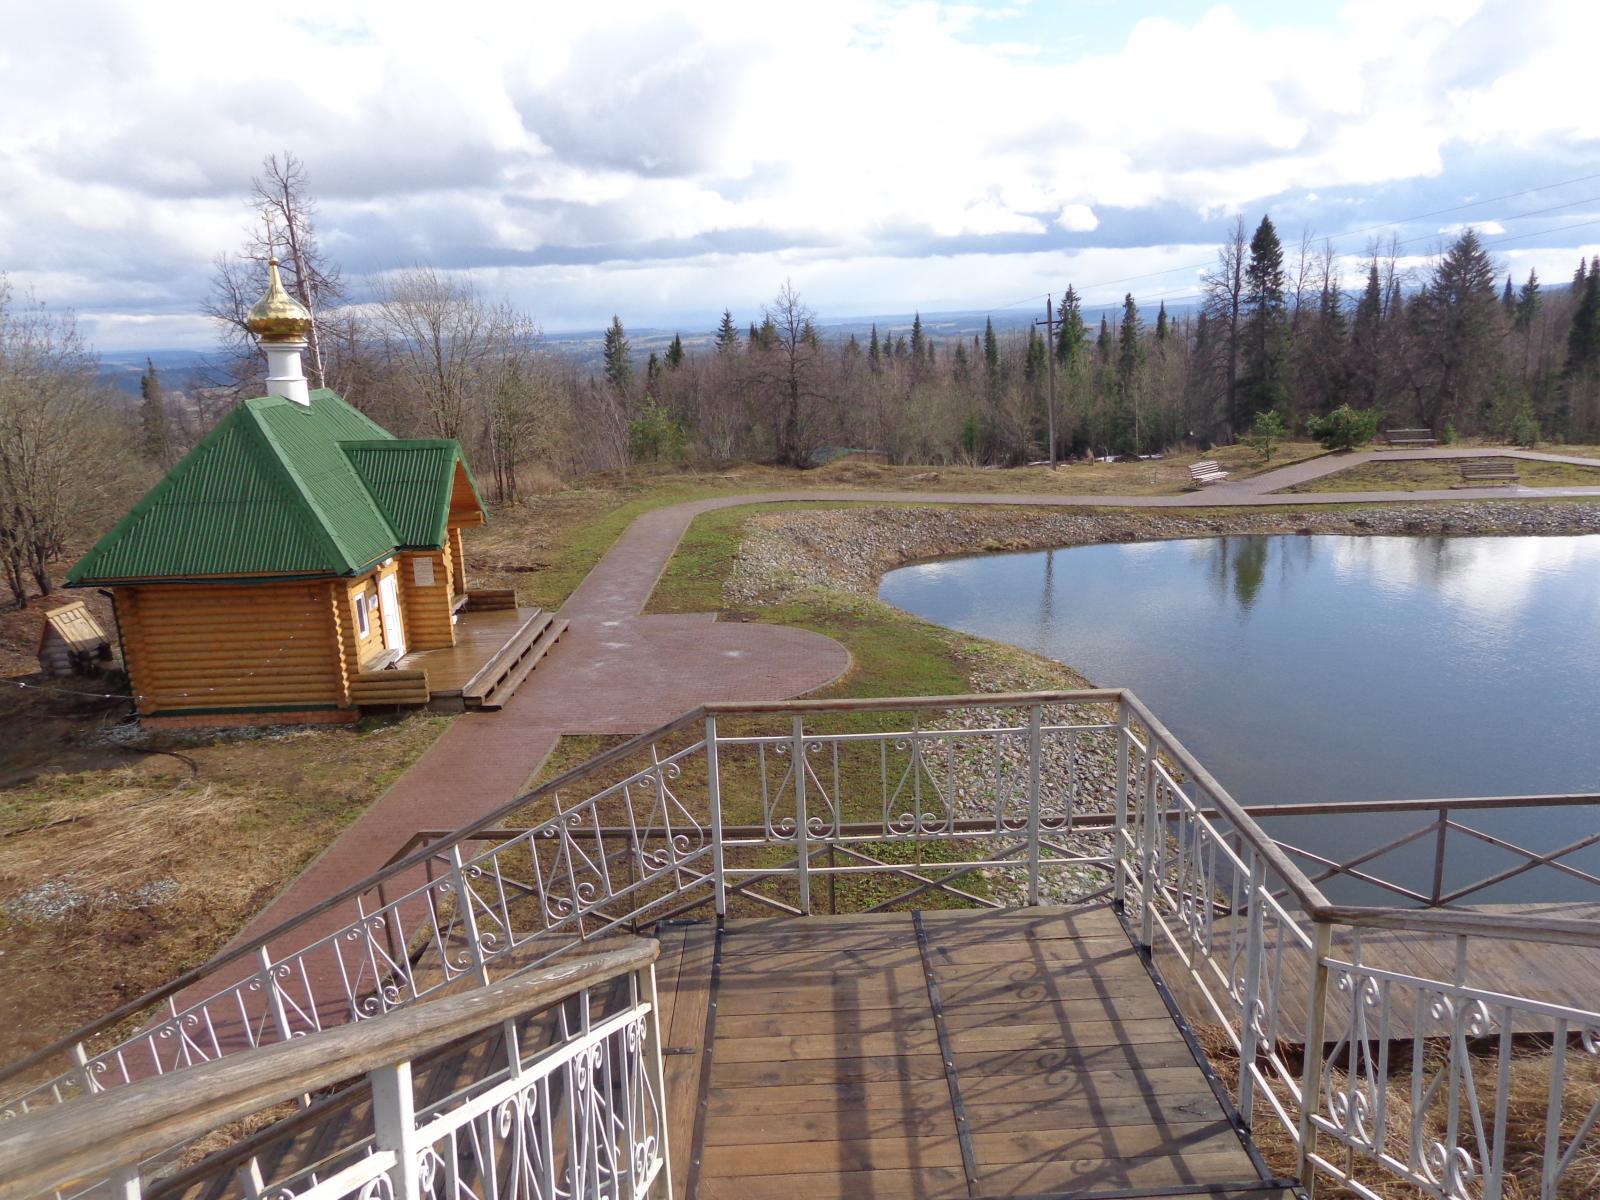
1452 346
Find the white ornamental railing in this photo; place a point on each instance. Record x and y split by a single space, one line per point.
987 801
552 1087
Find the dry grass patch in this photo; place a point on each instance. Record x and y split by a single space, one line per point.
1529 1092
114 879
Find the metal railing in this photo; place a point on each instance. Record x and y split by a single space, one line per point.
551 1085
857 805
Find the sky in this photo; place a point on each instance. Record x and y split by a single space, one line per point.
664 161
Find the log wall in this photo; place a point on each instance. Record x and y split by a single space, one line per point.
429 625
231 645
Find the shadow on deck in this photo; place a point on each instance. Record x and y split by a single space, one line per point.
1007 1053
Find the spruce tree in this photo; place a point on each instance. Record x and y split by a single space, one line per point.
155 430
1508 299
652 371
1262 385
1578 277
1583 339
1130 370
917 343
1461 334
1162 324
991 349
1365 348
1072 337
619 366
1033 365
1102 344
727 333
1529 302
963 363
675 353
872 348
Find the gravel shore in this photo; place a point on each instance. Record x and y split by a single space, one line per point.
851 548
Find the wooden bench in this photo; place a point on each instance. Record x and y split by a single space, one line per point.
1477 471
1209 471
1410 437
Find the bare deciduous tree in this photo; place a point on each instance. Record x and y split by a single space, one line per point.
61 461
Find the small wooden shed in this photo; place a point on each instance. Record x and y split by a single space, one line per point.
72 642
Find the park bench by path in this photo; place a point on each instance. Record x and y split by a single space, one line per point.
1409 438
1479 471
1209 471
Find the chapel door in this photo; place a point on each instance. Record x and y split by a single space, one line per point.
394 637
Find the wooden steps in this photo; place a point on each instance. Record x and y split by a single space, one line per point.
500 677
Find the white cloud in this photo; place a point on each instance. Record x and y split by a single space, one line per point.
699 142
1078 218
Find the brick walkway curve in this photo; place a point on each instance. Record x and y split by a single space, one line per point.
621 672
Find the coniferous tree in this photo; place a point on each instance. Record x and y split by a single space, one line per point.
1262 385
753 341
652 371
1071 337
1583 339
991 352
1461 332
675 353
1162 324
154 428
962 362
917 343
1130 372
1102 344
619 366
1508 300
727 333
872 348
1578 277
1033 363
1529 302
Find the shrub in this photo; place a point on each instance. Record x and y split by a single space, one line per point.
655 435
1345 428
1266 431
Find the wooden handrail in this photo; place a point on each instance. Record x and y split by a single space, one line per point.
46 1150
1527 927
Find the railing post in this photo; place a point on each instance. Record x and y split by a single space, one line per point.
1311 1073
269 983
1035 767
1252 985
658 1076
469 919
1152 835
1119 885
1438 858
719 880
394 1123
802 832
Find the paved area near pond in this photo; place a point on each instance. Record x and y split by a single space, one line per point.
621 672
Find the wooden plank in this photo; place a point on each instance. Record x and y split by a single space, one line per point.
1081 1035
1169 1139
861 1154
844 1045
1042 1060
1097 1175
927 1183
1059 954
682 1071
1157 1109
917 1095
826 1070
845 1023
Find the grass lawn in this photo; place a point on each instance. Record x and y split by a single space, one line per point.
1422 475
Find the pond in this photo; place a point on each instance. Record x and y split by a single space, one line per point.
1320 668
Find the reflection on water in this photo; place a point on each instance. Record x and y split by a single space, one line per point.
1320 668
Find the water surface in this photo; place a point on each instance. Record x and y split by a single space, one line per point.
1323 668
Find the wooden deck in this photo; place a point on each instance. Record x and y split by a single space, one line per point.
1017 1053
495 649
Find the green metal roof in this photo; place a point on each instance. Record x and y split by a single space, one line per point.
275 489
411 482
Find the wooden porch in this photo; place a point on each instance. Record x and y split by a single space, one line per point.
944 1053
496 649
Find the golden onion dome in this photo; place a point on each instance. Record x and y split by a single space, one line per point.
278 316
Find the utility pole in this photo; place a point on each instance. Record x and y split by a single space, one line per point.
1049 324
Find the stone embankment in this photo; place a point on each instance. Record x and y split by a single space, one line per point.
851 548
